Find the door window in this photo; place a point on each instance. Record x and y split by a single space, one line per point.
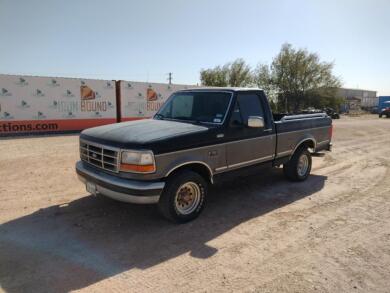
247 105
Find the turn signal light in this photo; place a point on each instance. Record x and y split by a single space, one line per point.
138 168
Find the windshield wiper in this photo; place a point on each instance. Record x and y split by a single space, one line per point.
187 119
159 116
182 118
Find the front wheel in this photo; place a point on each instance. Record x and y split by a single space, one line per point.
183 197
299 166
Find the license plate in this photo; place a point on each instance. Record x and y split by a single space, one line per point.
91 188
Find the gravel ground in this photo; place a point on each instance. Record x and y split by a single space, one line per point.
258 234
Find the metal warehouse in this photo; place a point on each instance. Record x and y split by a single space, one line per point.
358 98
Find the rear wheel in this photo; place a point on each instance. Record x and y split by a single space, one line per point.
183 197
299 166
380 115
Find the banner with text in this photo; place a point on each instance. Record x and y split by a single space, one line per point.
31 104
140 100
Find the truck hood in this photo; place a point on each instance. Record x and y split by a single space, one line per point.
141 132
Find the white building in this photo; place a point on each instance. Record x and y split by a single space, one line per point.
368 99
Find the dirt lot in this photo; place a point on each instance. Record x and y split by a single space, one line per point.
259 234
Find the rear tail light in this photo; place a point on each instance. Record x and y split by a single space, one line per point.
331 131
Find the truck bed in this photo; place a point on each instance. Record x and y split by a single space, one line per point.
291 130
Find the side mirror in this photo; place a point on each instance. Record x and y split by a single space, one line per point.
256 121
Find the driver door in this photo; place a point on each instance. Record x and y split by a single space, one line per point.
249 145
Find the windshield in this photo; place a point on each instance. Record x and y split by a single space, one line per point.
207 107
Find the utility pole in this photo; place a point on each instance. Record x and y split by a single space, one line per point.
170 77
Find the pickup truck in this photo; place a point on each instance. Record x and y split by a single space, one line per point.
197 138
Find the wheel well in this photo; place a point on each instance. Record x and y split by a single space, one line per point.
308 143
199 168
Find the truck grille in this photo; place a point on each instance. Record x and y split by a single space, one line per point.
100 156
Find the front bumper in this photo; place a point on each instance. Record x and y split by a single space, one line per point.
126 190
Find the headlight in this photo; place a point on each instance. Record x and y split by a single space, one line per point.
138 162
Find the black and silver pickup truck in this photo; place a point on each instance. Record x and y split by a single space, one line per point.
197 138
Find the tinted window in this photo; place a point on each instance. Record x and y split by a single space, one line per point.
236 118
196 106
182 106
248 105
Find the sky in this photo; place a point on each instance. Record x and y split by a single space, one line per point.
144 40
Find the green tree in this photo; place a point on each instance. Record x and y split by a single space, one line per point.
297 78
217 76
235 74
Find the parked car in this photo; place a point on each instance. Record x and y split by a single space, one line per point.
329 111
374 110
199 137
386 110
332 113
311 110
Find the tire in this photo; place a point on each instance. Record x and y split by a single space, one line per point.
380 115
173 203
293 169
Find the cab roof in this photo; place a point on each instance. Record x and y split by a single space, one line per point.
229 89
